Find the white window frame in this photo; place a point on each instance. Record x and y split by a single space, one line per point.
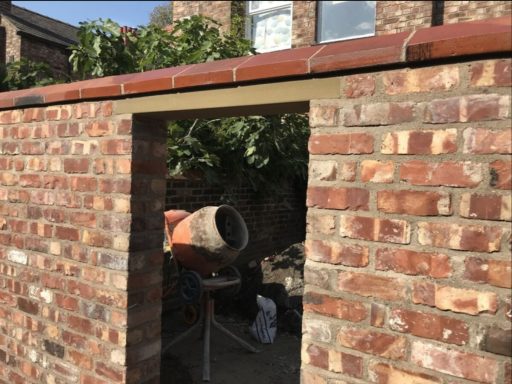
250 13
319 23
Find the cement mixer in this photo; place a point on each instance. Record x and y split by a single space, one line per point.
204 245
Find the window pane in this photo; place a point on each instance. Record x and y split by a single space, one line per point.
262 5
346 19
272 30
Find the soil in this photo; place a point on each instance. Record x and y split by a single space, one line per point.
277 363
278 277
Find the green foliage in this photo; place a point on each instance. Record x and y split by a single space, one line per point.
103 51
266 151
161 15
25 73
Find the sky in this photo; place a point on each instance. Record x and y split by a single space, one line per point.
130 13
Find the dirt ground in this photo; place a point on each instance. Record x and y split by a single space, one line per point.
277 363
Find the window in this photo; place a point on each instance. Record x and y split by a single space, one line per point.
342 20
270 25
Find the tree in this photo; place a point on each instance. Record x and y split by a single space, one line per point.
161 15
266 152
25 73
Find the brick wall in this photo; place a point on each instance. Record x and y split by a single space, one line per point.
273 223
304 23
408 270
400 16
458 11
56 57
81 196
217 10
12 41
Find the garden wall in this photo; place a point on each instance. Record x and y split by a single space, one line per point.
408 270
408 266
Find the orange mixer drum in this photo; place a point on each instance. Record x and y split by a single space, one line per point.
209 239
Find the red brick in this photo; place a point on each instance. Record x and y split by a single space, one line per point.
485 207
60 112
448 173
338 198
83 184
501 174
32 148
377 171
76 165
323 115
410 262
28 306
116 147
80 360
33 114
69 130
374 229
419 203
453 299
494 272
487 141
96 239
460 364
491 73
337 253
363 284
424 142
379 114
375 343
341 143
467 108
388 374
323 224
334 307
20 132
477 238
99 128
429 326
429 79
67 233
332 360
32 181
83 219
109 372
66 302
359 86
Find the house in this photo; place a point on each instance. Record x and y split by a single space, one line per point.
275 25
27 34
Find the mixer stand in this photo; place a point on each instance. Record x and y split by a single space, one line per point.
207 318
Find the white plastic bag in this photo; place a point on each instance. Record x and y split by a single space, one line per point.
264 327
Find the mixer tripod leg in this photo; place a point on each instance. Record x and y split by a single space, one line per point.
221 328
198 324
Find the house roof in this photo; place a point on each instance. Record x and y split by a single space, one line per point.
43 27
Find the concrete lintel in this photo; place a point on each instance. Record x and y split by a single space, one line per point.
261 94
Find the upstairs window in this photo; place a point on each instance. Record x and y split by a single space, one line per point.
343 20
270 25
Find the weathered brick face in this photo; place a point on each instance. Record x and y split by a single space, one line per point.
408 256
73 222
56 57
217 10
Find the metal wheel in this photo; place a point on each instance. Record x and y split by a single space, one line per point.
191 286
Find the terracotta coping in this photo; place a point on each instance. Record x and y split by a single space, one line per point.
452 40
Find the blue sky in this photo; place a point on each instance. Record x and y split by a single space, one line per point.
130 13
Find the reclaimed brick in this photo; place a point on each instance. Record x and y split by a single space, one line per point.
498 340
429 326
429 79
387 374
375 343
414 263
456 363
338 198
320 223
323 115
341 143
337 253
332 360
491 73
323 170
485 206
374 229
359 86
419 203
368 285
489 271
377 171
460 300
334 307
379 114
448 173
501 174
477 238
486 141
424 142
